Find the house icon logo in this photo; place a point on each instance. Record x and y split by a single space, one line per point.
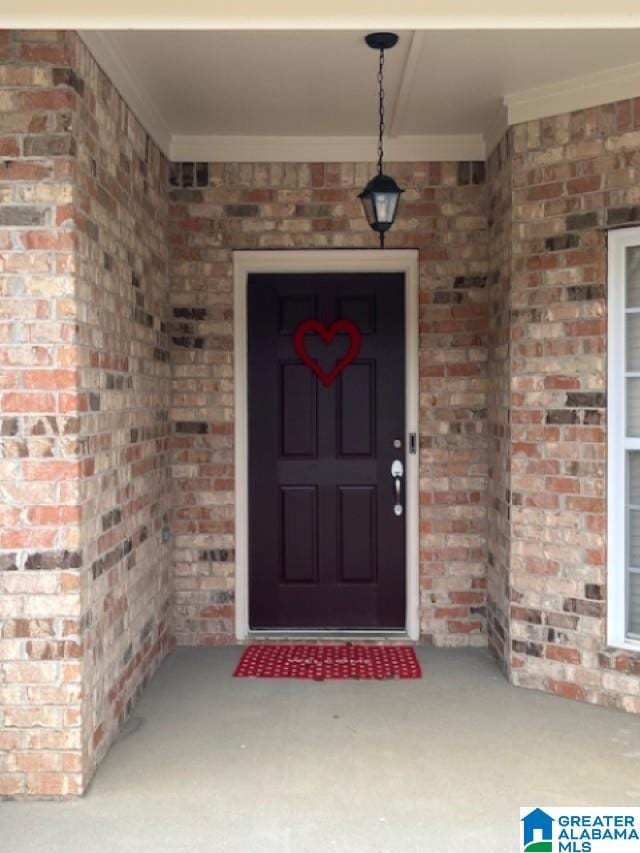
537 832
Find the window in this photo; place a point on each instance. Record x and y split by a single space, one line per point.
623 486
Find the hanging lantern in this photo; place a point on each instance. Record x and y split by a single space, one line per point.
381 195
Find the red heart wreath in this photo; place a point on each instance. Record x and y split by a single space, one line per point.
327 335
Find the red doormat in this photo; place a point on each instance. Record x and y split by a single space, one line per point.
321 663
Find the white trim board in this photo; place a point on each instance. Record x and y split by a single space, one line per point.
618 443
325 149
322 14
401 100
577 93
403 261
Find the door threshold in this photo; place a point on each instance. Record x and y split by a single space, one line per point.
330 635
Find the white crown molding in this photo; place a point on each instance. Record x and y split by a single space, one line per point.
324 149
589 90
329 14
104 51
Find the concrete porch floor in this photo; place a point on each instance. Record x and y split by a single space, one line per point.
211 763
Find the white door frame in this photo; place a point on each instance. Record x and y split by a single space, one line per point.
403 261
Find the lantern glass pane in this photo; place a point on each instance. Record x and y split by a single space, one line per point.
386 204
367 203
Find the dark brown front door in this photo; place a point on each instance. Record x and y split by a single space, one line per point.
326 534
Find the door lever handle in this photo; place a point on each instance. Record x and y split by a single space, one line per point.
397 468
397 472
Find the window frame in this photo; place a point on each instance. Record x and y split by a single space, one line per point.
618 444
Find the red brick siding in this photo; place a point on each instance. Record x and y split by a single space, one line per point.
499 403
573 176
250 206
41 466
84 399
120 213
116 392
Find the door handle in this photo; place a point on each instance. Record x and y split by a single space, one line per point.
397 472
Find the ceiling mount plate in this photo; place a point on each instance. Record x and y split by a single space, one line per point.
381 41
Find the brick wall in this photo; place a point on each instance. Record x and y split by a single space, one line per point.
572 177
120 213
40 549
499 403
216 208
116 392
84 394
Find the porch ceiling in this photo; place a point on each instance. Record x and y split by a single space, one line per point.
296 95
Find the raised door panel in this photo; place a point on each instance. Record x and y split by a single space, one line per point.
299 534
357 534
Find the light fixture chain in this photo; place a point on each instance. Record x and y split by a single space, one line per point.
381 195
380 109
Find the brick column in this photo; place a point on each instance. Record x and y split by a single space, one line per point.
572 177
84 413
40 559
499 404
124 396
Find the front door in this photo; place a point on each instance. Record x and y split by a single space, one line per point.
326 425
